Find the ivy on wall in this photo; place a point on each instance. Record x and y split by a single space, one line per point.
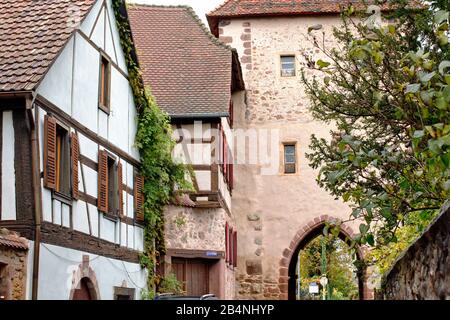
155 144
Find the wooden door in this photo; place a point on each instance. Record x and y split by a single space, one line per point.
194 274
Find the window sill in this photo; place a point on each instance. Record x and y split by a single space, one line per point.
64 198
111 217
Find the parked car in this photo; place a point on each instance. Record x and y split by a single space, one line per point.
171 296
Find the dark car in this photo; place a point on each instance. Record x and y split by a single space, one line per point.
171 296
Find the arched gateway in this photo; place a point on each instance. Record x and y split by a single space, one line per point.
305 234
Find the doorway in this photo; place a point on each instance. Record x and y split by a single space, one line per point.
84 291
193 274
4 283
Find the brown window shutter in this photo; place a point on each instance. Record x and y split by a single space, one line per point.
50 152
120 187
235 249
231 252
102 181
75 155
227 245
139 197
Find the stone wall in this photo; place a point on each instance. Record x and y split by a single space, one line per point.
13 266
195 228
423 271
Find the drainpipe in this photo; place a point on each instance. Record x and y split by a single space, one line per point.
37 194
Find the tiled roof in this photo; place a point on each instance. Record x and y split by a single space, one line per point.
188 69
270 7
32 33
12 240
247 8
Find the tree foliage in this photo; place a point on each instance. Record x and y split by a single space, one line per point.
386 90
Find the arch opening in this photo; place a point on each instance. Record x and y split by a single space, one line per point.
306 236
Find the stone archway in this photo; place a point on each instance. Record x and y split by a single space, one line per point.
304 235
84 278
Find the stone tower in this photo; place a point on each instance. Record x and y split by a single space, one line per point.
279 210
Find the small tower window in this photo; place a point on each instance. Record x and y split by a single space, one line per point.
289 158
104 89
288 66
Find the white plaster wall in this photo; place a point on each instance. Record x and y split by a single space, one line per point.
57 85
8 172
116 38
57 265
98 33
89 21
29 280
85 86
118 118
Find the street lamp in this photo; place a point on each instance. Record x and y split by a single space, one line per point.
324 282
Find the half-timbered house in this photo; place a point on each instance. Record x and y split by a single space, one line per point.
197 80
69 170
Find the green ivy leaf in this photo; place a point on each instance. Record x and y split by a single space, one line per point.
322 64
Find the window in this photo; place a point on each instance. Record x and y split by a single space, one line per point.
226 157
289 158
105 69
109 184
122 293
139 197
113 187
231 112
288 66
61 156
62 161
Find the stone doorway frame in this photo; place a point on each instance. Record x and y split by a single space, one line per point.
305 234
84 271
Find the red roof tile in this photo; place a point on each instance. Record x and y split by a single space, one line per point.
32 33
187 68
12 240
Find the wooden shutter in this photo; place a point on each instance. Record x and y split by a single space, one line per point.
102 181
225 154
50 152
75 155
120 187
139 197
231 245
227 244
231 111
235 249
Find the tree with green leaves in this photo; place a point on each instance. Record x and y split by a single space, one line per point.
386 90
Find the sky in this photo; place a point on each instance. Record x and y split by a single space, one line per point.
201 7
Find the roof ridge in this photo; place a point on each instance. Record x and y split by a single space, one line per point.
161 6
208 33
193 14
219 7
